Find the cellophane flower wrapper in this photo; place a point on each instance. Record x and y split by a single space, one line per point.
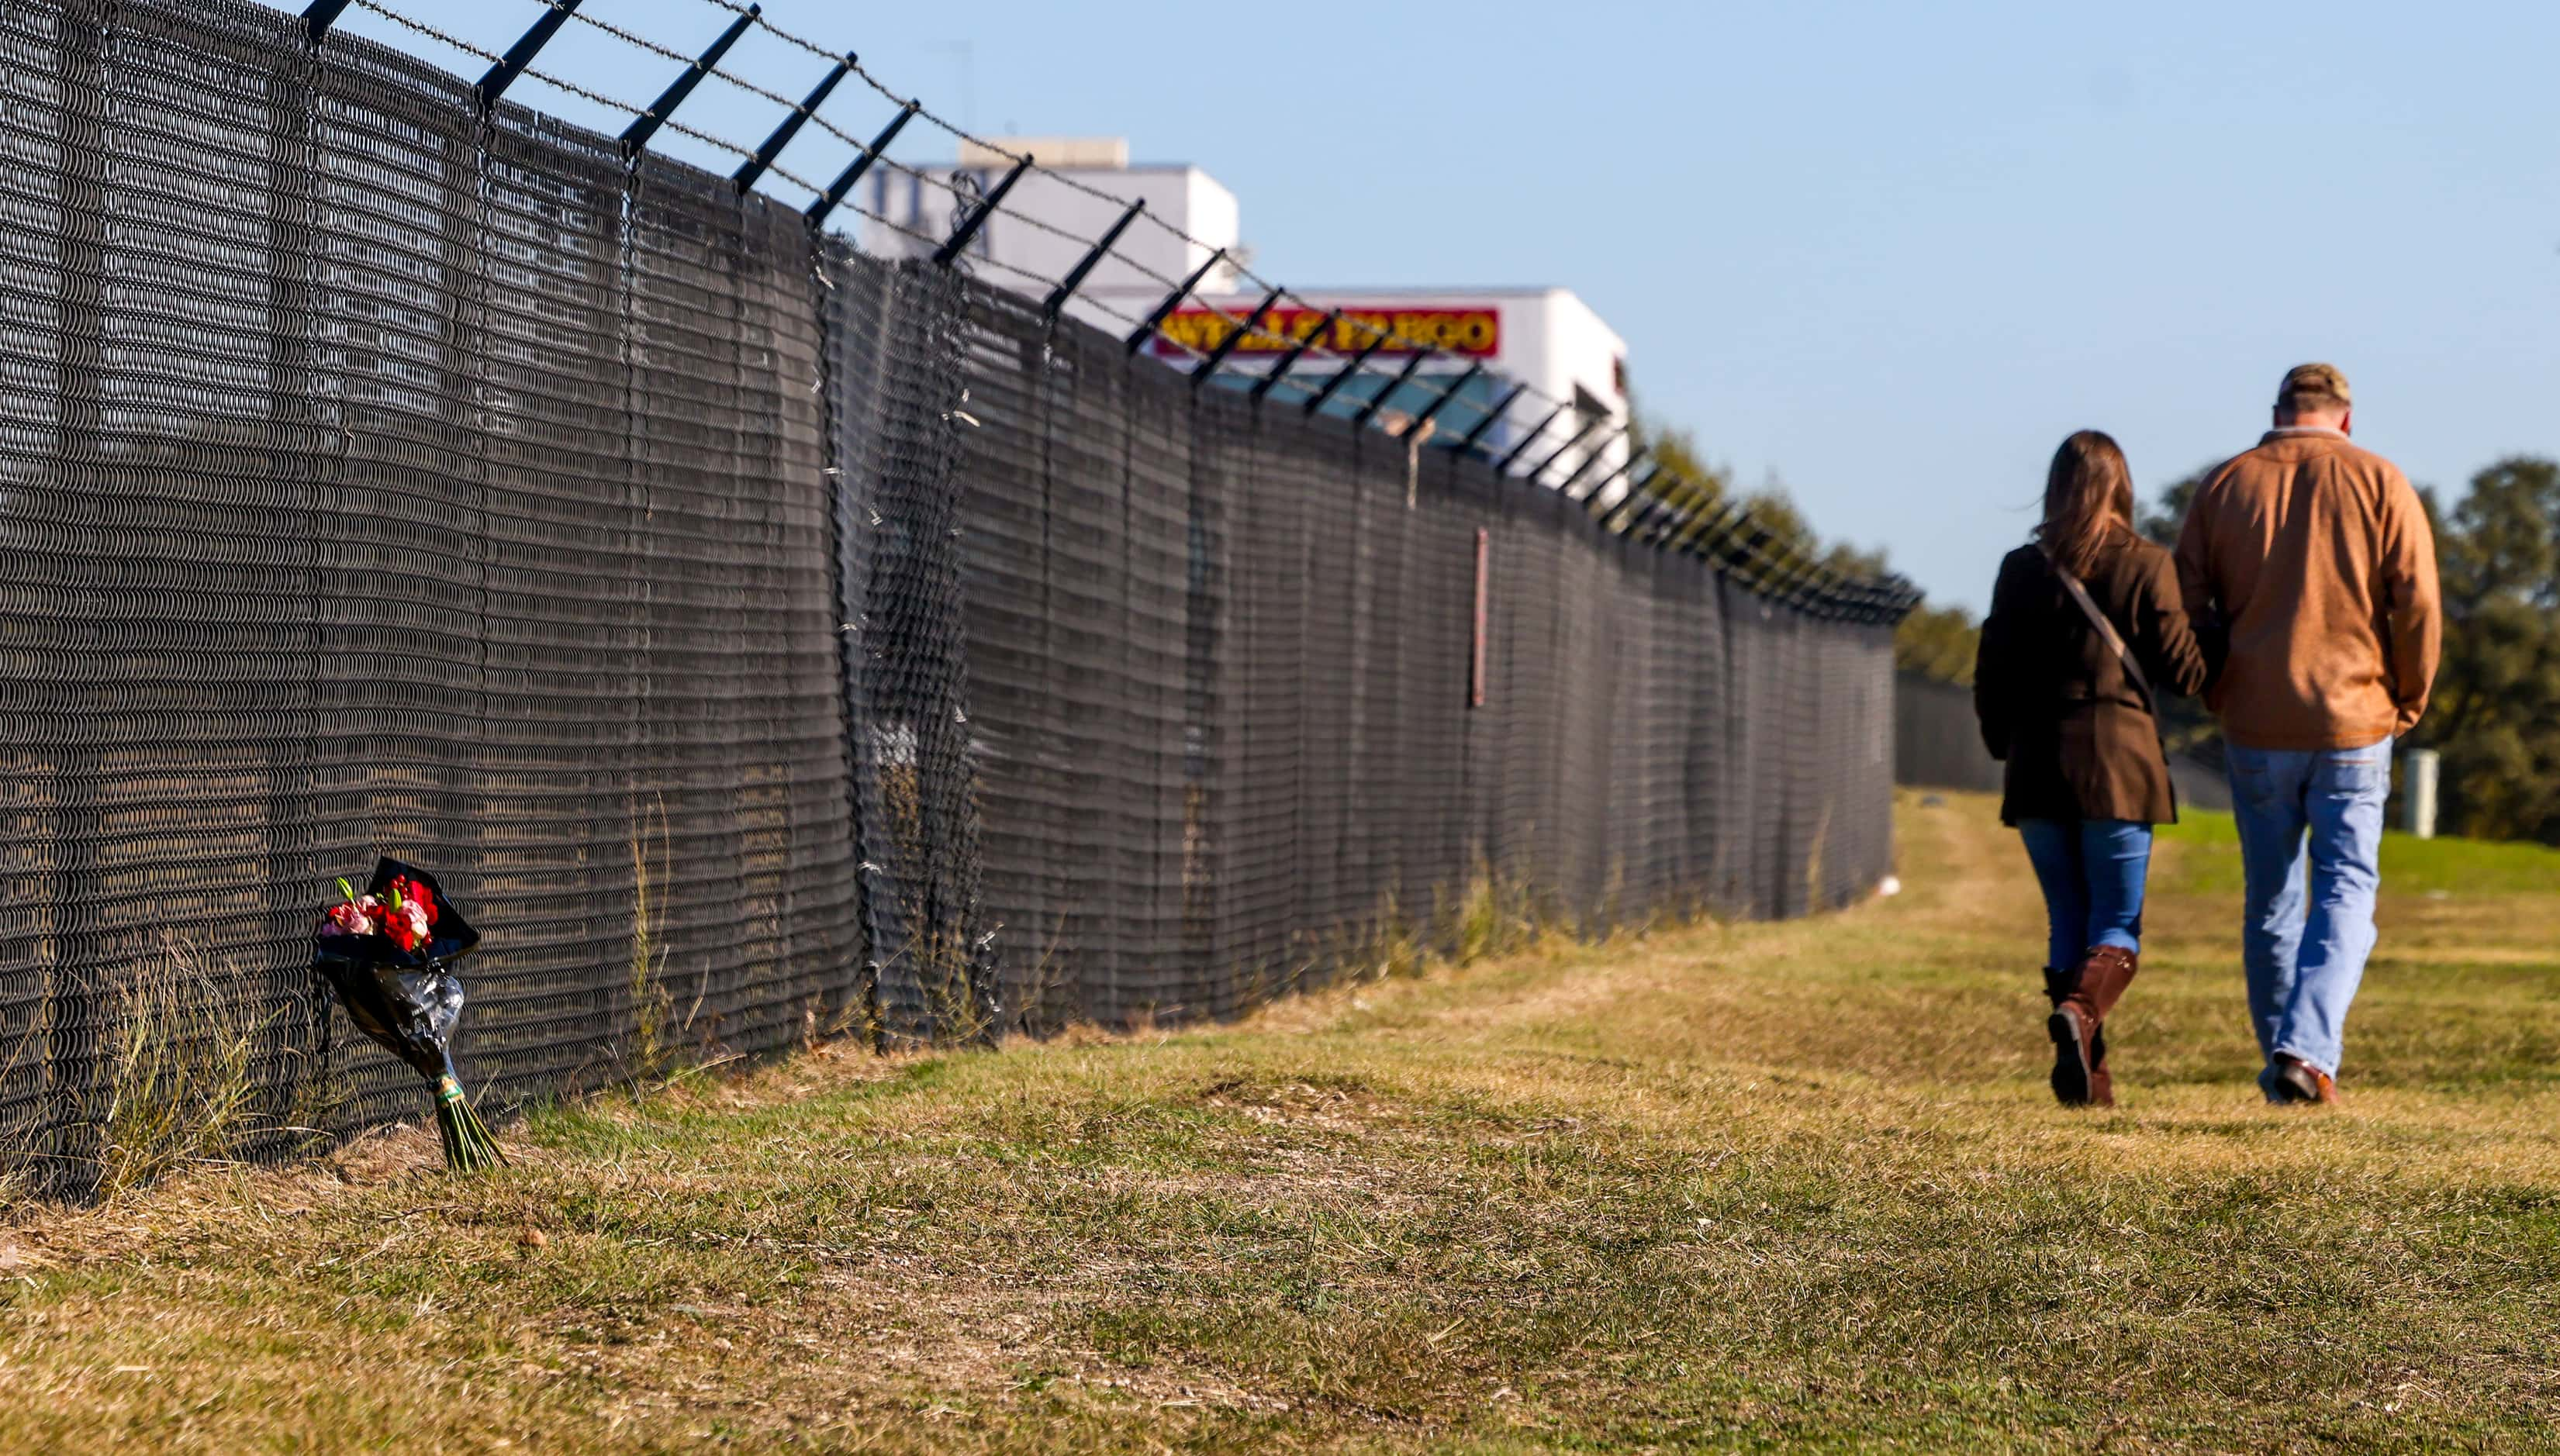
407 998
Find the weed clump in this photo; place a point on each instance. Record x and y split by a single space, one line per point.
1492 915
181 1059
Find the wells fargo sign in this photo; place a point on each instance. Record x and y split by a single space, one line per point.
1473 332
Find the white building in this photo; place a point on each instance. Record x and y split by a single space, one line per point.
1546 339
1048 220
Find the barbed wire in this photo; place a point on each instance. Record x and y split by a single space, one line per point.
810 115
584 94
653 46
611 103
1767 567
598 98
958 132
1395 340
571 87
956 193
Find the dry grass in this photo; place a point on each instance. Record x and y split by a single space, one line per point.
1753 1186
652 1007
181 1054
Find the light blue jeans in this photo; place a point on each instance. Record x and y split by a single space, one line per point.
2310 924
2092 873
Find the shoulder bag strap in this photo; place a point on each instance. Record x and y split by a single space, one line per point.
2107 632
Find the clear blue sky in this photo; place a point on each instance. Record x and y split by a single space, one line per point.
1890 253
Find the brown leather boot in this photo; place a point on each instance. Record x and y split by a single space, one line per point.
2103 978
2077 1026
2298 1080
2074 1061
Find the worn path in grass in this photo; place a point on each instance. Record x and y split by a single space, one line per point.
1746 1187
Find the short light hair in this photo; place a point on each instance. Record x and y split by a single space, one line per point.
2314 388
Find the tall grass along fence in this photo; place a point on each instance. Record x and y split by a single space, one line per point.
765 641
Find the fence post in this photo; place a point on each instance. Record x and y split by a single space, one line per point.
782 135
1483 599
1288 361
1504 465
1590 458
294 425
1448 395
960 236
1174 300
2422 768
1324 396
1235 336
635 137
1493 416
499 76
847 595
1597 499
1092 258
319 16
75 1016
1379 400
826 203
1579 436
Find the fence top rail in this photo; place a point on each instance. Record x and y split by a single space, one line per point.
1761 562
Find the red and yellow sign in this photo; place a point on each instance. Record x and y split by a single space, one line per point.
1476 332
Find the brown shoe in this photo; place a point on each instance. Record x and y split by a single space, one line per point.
2061 984
2102 980
2072 1071
2082 999
2298 1080
2075 1068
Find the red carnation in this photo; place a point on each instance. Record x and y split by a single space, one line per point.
413 893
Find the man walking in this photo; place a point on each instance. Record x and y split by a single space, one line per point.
2314 566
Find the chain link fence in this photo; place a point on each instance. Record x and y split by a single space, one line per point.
765 642
1227 708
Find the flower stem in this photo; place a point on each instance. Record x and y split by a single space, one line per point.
468 1145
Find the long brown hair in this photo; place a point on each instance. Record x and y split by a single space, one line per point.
2088 490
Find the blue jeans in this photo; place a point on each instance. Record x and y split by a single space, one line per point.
2308 934
2092 871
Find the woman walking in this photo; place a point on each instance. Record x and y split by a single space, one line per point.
2086 629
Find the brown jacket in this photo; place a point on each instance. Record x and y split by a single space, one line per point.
2314 561
2055 701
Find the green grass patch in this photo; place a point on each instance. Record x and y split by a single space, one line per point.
2410 866
1730 1188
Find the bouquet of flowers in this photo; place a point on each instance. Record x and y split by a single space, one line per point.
388 954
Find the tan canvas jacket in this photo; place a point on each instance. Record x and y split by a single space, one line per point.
2310 569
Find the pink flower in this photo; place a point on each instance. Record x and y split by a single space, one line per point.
345 919
406 926
410 892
